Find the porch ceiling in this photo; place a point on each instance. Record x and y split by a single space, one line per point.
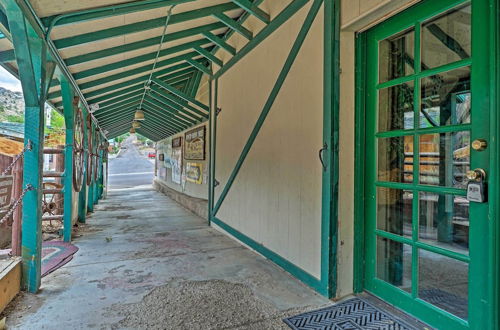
110 52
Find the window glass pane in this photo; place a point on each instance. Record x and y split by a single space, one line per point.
394 263
394 211
395 159
396 107
443 282
445 159
444 221
446 99
396 56
447 38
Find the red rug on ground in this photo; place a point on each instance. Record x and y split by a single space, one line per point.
56 254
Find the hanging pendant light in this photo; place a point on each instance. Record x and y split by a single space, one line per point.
132 130
139 115
136 124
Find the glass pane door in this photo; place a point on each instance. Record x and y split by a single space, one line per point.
420 110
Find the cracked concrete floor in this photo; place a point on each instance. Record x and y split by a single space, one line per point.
147 263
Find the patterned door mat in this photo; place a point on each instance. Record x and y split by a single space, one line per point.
351 314
55 254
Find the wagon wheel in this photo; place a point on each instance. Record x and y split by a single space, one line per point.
52 204
78 150
89 151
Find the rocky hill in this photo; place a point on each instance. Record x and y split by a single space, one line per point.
11 105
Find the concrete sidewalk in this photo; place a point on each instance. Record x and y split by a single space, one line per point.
146 263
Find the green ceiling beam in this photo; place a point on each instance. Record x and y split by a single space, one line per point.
254 10
128 119
282 17
160 103
152 119
180 94
200 66
233 25
170 117
174 78
127 83
176 100
136 71
220 42
140 59
7 56
152 105
139 131
142 26
125 127
106 104
108 11
209 56
136 99
142 44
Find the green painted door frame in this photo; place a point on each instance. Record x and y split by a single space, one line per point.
90 193
69 118
485 232
326 285
35 73
82 195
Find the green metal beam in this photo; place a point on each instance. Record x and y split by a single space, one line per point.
282 17
180 94
126 121
176 102
211 57
181 114
297 45
220 42
69 115
106 104
199 66
142 26
142 58
232 24
7 56
254 10
79 59
108 11
136 71
31 56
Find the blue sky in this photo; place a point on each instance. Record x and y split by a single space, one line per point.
8 81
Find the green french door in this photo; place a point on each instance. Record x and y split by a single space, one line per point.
427 127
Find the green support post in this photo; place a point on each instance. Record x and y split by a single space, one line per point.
31 57
82 195
69 114
90 195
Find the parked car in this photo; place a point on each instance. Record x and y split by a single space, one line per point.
151 154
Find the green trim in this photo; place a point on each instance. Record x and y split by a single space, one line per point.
82 195
359 161
233 25
220 42
270 101
69 115
211 57
180 94
142 26
282 17
254 10
274 257
330 176
200 67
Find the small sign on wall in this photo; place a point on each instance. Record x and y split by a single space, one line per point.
6 183
194 144
194 172
177 142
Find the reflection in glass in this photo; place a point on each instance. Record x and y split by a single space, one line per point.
395 159
444 221
447 38
394 263
445 159
443 282
396 107
394 211
396 56
446 99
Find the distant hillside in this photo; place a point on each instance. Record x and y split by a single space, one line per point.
11 105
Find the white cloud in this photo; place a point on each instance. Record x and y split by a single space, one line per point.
8 81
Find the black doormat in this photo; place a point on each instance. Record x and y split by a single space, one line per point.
348 315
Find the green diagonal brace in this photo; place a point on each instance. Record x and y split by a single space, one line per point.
297 45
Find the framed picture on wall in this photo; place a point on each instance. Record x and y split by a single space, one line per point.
194 144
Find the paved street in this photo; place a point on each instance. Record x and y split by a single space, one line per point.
130 168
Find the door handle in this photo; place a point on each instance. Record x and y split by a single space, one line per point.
320 154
